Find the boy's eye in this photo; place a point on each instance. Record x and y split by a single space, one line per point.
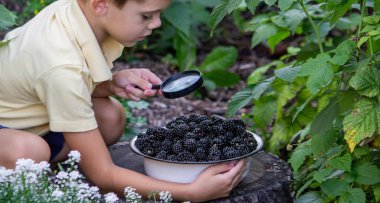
147 17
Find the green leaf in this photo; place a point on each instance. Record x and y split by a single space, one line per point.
343 52
270 2
320 175
222 78
354 195
185 52
335 187
217 15
277 38
320 72
362 122
342 162
220 58
322 123
7 18
262 33
232 5
299 155
367 81
257 74
376 192
362 41
252 4
285 4
310 197
264 110
288 73
343 8
366 173
178 14
294 18
3 43
244 97
322 142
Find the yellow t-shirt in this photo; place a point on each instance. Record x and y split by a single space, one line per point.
49 70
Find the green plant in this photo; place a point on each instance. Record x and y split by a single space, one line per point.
323 101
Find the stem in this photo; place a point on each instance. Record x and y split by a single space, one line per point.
315 28
370 45
362 7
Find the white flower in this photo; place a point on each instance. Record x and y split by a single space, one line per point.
131 196
165 196
74 156
74 175
57 194
5 174
23 165
111 198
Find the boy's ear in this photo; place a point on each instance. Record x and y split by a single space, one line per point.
100 6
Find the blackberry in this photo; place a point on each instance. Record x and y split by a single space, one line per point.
202 118
149 151
236 142
186 156
229 153
217 120
181 129
193 118
166 145
228 136
157 132
190 144
190 135
214 154
203 143
205 124
239 130
243 150
177 147
200 153
228 124
216 141
217 130
142 135
171 157
161 155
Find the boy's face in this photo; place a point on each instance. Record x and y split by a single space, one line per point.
134 21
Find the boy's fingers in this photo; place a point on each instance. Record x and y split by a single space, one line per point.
238 177
220 168
134 98
233 173
140 82
135 91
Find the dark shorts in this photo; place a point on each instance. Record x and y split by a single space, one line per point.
55 141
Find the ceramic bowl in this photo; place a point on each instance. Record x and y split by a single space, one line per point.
185 172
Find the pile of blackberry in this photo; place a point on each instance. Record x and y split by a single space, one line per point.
197 138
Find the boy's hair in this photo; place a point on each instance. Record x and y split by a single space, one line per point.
119 3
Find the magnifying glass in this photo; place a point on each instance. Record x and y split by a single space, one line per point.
180 84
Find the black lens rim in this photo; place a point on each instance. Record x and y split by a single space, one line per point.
186 91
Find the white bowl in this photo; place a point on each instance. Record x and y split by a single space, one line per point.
184 172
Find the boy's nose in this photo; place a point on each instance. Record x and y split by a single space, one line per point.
156 23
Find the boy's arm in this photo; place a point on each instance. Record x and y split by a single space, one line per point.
97 166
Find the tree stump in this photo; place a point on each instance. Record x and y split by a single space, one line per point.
269 179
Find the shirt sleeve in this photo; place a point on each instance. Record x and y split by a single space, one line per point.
67 99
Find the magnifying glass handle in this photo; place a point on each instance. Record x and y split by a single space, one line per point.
156 87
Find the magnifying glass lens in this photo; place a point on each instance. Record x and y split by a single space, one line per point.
181 83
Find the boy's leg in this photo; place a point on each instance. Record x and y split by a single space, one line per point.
110 116
16 144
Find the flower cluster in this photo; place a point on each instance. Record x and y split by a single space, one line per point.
35 182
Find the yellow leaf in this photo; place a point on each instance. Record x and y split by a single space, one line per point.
351 144
376 142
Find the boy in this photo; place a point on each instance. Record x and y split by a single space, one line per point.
55 93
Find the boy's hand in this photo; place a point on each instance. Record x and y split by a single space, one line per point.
217 181
135 84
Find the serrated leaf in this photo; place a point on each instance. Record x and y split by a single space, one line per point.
362 122
222 78
217 15
277 38
299 155
353 195
367 81
343 52
186 52
220 58
285 4
376 192
335 187
343 8
232 5
288 73
270 2
310 197
366 173
342 162
320 72
322 142
252 4
244 97
262 33
320 175
294 18
7 18
178 14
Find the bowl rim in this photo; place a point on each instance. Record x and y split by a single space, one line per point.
258 139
